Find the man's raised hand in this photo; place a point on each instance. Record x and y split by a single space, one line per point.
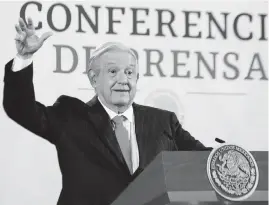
27 42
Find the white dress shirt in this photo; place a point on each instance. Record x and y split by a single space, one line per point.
129 124
19 63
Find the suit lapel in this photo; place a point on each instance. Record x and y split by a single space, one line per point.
101 121
141 133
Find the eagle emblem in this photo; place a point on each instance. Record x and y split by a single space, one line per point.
232 172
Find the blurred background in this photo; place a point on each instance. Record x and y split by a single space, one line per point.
207 61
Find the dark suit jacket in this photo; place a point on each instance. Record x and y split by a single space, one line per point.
92 166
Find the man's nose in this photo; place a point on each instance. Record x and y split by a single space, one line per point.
122 78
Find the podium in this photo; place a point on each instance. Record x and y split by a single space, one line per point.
180 177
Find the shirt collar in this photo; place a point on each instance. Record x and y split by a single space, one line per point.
128 113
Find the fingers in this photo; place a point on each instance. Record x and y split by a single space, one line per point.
18 29
20 36
44 37
17 38
22 24
30 24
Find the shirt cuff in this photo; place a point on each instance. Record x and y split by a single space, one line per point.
19 63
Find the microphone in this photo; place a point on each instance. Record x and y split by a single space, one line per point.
219 140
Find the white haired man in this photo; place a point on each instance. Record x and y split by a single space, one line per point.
104 144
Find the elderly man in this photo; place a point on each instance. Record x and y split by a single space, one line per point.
104 144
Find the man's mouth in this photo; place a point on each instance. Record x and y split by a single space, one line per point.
121 90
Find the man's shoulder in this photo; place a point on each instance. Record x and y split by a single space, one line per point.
65 100
153 110
67 104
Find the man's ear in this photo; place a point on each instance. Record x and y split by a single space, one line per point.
92 77
137 77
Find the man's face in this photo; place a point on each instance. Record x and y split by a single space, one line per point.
116 82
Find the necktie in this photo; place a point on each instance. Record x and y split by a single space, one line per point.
123 140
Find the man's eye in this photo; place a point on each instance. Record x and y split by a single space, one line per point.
129 72
112 71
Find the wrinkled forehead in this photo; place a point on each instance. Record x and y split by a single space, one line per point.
114 53
115 57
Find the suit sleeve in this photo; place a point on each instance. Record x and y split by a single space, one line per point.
20 104
183 138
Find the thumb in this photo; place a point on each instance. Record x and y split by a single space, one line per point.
44 37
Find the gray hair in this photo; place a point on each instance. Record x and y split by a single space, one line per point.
107 47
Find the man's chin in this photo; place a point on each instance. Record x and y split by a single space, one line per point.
121 103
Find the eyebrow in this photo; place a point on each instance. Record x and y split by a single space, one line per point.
113 63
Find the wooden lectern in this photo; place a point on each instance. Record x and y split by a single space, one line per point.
180 177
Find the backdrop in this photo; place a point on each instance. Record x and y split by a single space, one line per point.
204 60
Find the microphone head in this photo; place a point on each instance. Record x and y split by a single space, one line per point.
219 140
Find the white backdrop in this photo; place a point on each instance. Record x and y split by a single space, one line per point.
208 107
